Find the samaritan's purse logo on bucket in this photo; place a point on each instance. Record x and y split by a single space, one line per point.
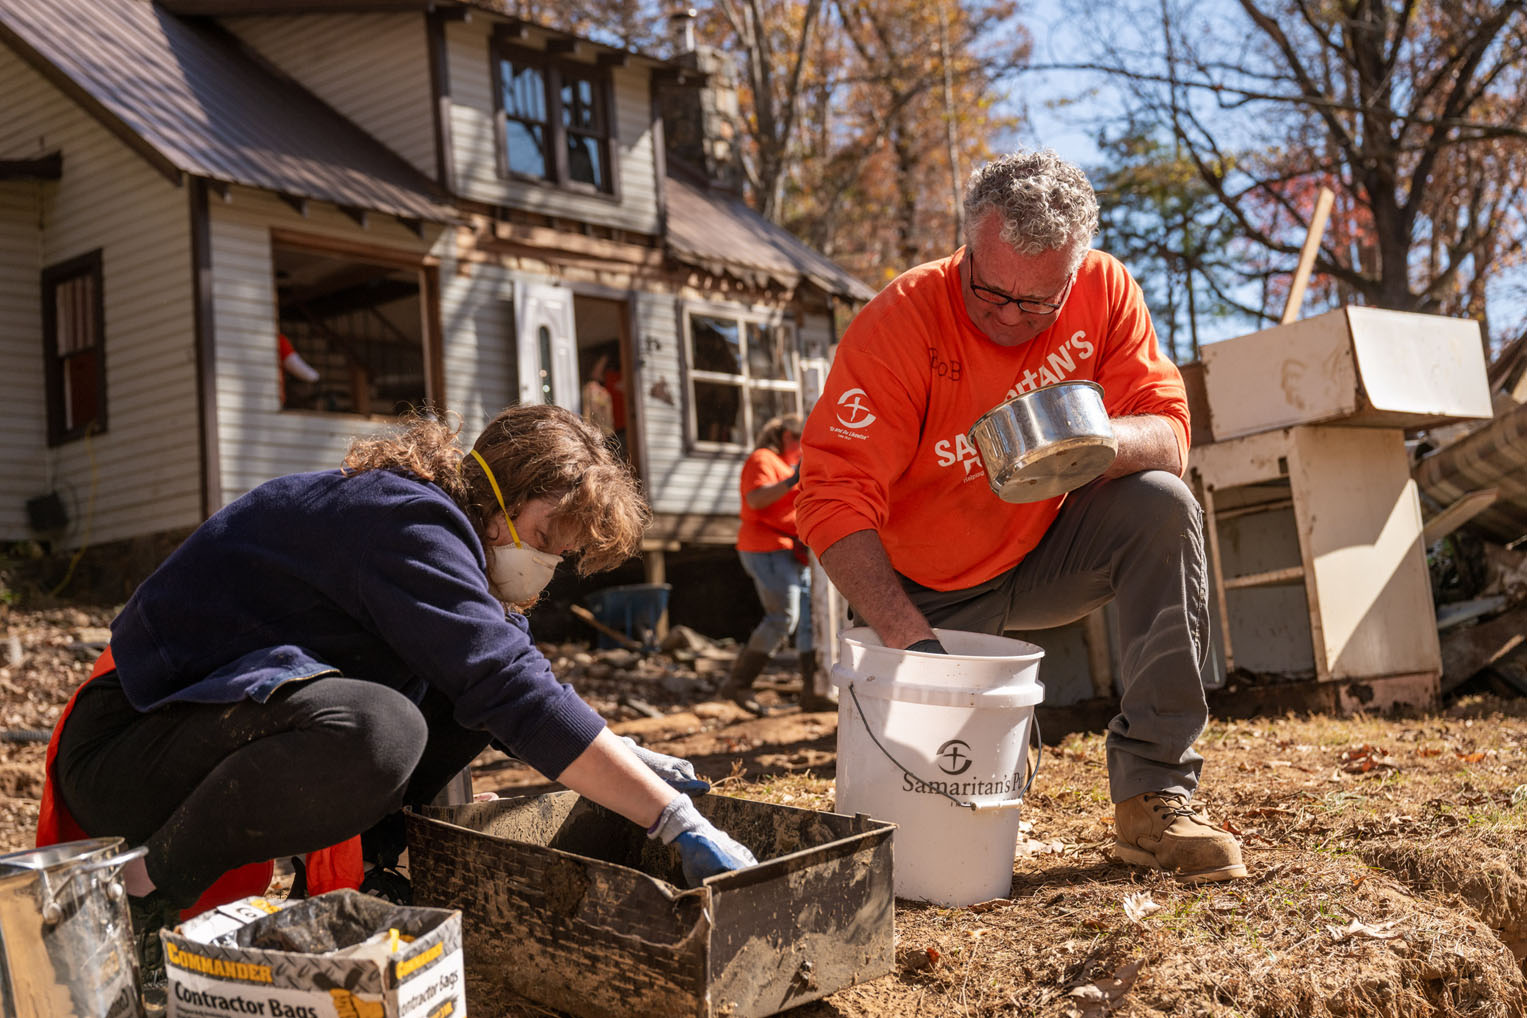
954 758
853 414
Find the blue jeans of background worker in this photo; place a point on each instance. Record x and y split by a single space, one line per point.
783 583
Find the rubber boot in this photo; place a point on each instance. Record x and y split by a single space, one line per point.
738 686
811 700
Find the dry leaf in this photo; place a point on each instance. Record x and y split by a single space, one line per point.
1138 906
987 906
1471 757
1357 929
1098 997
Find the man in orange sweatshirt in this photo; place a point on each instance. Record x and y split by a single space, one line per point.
896 504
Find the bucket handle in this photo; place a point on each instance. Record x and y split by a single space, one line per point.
1039 752
51 910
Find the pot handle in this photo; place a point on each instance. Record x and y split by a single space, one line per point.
52 912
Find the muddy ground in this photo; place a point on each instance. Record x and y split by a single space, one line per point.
1387 856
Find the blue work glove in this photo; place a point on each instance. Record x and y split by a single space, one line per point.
678 772
928 646
704 850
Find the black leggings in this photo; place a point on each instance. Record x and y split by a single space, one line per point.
211 787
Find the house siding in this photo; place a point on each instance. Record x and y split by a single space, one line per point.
373 68
476 148
477 311
143 474
23 424
256 439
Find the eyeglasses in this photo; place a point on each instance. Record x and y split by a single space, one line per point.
1000 299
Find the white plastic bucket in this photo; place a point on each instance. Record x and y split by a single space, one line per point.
937 744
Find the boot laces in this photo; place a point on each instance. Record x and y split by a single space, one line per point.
1171 803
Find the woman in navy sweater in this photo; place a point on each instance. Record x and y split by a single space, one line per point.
334 646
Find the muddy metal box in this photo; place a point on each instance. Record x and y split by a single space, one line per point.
574 907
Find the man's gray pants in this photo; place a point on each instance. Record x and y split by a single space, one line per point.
1137 540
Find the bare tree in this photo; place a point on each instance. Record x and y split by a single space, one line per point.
1413 111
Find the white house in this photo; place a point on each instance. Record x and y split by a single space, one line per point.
427 202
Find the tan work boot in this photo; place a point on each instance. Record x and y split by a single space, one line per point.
1160 830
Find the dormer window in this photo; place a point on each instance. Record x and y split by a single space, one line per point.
553 119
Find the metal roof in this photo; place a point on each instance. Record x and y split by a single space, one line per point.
192 100
720 233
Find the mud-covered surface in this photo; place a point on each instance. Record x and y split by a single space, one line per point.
1386 854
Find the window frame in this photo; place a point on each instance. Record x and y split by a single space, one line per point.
743 316
89 265
552 68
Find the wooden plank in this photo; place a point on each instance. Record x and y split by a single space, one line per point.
1467 649
1211 526
48 167
1270 578
614 634
1307 254
1457 514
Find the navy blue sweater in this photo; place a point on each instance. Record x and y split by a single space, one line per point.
375 576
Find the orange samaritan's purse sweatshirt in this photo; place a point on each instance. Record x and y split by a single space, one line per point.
885 449
771 528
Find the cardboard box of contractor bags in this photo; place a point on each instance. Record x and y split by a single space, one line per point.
338 955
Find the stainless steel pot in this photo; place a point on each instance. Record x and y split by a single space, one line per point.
1045 442
66 946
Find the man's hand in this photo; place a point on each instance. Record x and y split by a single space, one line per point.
704 850
859 567
678 772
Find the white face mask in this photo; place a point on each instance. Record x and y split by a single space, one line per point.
516 575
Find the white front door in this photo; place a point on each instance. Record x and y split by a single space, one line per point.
548 346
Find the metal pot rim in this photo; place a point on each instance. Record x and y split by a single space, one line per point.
1025 396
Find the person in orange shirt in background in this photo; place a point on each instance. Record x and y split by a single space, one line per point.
896 504
774 557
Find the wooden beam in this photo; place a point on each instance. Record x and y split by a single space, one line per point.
515 238
358 250
48 167
413 226
221 188
1457 514
203 330
297 202
1307 255
1216 570
670 529
1270 578
356 213
440 101
564 46
614 58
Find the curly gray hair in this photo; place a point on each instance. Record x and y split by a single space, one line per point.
1046 203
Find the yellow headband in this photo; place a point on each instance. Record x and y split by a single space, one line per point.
498 495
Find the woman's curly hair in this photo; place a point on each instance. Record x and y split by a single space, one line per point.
535 451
